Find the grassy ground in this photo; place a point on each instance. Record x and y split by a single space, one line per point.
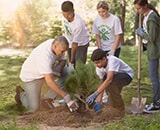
9 79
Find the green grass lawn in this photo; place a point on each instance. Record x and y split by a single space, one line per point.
9 79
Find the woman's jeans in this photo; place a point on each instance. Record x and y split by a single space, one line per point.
153 66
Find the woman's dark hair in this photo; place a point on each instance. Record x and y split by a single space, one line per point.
98 54
67 6
143 3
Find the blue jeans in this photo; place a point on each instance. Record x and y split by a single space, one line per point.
114 90
153 66
30 98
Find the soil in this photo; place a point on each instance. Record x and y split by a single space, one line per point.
60 117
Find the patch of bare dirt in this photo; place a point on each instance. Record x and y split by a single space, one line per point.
61 116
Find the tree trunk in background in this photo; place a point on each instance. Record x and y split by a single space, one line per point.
18 31
123 6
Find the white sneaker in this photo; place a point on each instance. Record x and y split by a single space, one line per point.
105 98
151 108
62 101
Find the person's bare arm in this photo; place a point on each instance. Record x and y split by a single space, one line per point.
117 41
106 82
99 98
52 84
73 53
98 40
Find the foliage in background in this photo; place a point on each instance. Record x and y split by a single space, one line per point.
130 55
83 80
31 24
36 21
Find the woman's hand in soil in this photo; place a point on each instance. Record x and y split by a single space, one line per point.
90 99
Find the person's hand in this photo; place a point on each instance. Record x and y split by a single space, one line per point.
97 107
111 52
71 67
72 104
90 99
140 32
57 70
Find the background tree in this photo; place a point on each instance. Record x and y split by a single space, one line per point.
37 20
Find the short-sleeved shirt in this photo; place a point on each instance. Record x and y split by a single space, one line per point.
39 62
115 64
76 31
108 29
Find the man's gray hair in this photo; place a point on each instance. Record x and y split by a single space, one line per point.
61 40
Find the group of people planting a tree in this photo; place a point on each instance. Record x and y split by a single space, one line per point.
47 62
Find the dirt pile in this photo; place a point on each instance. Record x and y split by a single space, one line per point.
61 116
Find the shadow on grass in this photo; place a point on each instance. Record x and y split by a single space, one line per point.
13 109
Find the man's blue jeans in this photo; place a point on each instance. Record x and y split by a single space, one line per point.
153 66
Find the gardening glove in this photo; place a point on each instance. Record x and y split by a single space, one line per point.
90 99
57 70
97 107
111 52
140 32
71 67
72 104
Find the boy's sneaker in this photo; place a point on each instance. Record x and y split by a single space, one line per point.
151 108
17 96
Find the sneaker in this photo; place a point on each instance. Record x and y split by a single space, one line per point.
105 98
62 101
17 96
151 108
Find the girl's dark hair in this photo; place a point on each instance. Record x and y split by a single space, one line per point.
143 3
98 54
67 6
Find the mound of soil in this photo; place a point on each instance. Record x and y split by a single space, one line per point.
61 116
